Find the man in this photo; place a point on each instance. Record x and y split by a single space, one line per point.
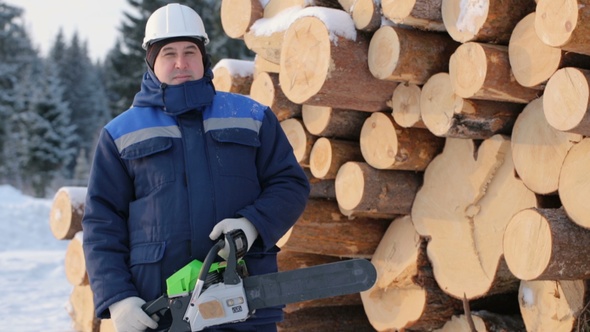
184 165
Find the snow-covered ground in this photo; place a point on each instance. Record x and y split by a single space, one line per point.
34 290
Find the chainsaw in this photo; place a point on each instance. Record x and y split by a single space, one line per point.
208 293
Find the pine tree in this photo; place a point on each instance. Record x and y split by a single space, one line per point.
16 53
44 128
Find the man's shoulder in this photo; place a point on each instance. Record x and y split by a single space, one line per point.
137 118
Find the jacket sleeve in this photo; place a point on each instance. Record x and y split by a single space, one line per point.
105 234
285 187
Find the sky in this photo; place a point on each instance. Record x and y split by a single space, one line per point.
96 22
34 288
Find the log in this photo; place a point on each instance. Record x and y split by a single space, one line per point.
405 295
67 210
467 199
334 318
266 90
405 105
446 114
485 321
554 305
276 7
323 230
482 20
482 71
81 309
573 183
301 140
386 145
362 189
237 16
292 260
366 15
393 52
421 14
320 188
233 75
566 100
262 65
564 24
333 123
538 149
327 155
544 244
264 41
75 262
533 62
318 56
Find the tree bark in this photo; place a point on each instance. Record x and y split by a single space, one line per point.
464 207
573 183
362 189
81 309
386 145
544 244
554 305
532 61
482 20
564 24
405 105
320 188
266 90
566 100
482 71
393 52
75 262
334 318
538 149
67 210
233 75
315 65
333 123
446 114
237 16
323 230
421 14
405 295
327 155
301 140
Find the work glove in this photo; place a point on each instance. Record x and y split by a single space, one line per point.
127 316
230 224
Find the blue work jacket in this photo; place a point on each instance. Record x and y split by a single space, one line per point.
167 170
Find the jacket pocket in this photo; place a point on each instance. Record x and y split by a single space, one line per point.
235 152
150 163
146 268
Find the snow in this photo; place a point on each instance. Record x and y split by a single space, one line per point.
34 291
243 68
338 22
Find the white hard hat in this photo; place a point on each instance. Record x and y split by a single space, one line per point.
174 20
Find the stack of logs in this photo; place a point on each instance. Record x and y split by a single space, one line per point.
445 140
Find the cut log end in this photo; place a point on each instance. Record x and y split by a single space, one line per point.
302 80
525 244
405 103
237 16
349 185
565 100
463 24
556 20
439 103
467 69
383 52
320 158
378 141
532 61
574 183
65 216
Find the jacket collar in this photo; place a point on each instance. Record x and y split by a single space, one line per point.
175 99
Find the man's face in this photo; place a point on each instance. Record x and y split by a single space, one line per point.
179 62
